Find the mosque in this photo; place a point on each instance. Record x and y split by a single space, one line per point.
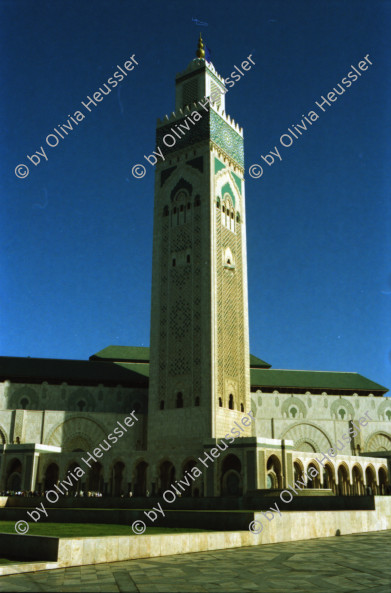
198 380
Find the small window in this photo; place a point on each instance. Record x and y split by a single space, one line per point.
220 402
174 210
24 403
228 261
231 402
165 211
188 205
181 208
162 404
223 208
81 404
238 217
227 212
218 203
197 201
173 262
197 401
232 215
179 400
188 258
241 407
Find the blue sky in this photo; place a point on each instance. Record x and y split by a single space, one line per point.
76 234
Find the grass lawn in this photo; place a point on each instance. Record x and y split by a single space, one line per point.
89 529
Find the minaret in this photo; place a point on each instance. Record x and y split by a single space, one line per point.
199 369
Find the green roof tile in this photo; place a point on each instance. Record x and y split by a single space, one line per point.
123 353
141 354
276 378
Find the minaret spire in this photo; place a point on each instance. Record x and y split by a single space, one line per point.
200 53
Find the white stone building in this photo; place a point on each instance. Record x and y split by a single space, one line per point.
199 378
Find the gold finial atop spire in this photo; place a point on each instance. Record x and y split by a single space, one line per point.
200 53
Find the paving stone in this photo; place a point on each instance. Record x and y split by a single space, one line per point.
347 564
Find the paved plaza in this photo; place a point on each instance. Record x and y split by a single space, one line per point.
337 564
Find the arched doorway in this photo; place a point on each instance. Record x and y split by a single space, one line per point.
51 476
370 479
76 485
166 475
187 467
95 478
383 481
117 479
14 476
231 482
298 470
343 481
358 481
140 486
329 478
313 480
273 473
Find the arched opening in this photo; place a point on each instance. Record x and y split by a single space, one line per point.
76 484
298 471
140 487
165 211
81 404
24 402
231 482
370 479
51 476
241 407
313 480
358 481
273 473
14 476
188 258
95 478
384 487
220 402
197 401
117 486
329 478
187 467
179 399
231 401
218 203
166 475
343 481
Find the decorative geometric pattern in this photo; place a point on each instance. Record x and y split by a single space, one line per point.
224 136
342 404
297 403
66 433
230 315
21 393
378 442
384 410
304 433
